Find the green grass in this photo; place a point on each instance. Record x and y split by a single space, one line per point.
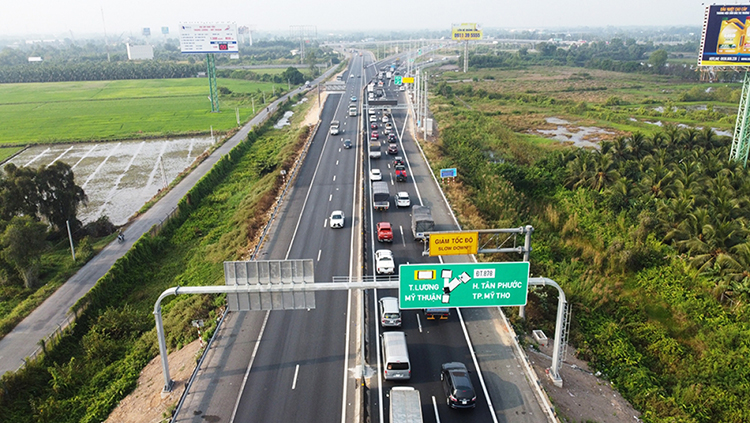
107 110
8 152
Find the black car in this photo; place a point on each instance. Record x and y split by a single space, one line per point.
398 161
347 143
459 391
392 149
392 137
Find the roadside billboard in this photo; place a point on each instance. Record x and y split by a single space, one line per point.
208 37
726 36
465 32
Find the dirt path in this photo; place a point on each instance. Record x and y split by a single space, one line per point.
147 404
584 397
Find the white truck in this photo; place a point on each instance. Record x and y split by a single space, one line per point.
352 110
335 127
381 196
406 406
421 222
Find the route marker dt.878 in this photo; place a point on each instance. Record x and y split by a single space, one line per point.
439 285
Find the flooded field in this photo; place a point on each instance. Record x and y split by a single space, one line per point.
580 136
119 177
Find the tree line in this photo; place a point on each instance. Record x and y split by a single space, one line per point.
35 205
97 71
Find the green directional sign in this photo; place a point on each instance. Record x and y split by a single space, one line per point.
397 79
439 285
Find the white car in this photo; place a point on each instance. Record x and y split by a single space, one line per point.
385 119
384 263
337 219
373 118
402 199
375 175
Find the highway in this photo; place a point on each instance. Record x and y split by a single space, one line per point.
303 366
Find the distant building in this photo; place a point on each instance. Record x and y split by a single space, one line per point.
145 52
35 59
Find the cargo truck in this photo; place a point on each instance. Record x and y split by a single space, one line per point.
374 149
406 406
421 222
380 196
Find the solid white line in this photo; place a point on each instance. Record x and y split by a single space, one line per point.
406 158
249 366
419 322
294 382
319 251
312 182
476 365
403 240
434 406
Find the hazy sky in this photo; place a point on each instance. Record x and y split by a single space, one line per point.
58 17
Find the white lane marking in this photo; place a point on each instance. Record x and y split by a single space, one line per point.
319 251
330 197
403 240
60 156
250 366
39 156
419 322
98 168
84 156
339 152
294 382
406 158
334 178
337 162
325 223
476 365
434 406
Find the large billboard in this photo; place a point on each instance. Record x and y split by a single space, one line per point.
466 32
726 36
208 37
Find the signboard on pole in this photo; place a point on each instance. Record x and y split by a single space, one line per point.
206 37
146 32
165 30
725 40
453 243
398 79
448 173
438 285
466 32
407 80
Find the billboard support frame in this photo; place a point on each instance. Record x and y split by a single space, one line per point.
741 138
212 86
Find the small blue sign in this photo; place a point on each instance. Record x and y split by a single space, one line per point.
448 173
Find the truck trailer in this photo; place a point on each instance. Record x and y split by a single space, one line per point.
380 196
421 222
406 406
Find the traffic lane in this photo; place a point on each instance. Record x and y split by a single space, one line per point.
277 389
436 344
282 231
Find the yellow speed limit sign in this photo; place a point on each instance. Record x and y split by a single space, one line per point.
407 80
453 243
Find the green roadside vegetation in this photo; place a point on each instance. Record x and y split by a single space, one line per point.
647 235
8 152
125 109
82 377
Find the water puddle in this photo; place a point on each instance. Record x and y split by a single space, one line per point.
118 177
579 136
284 121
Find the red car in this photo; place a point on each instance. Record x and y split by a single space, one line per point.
385 233
374 135
373 126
